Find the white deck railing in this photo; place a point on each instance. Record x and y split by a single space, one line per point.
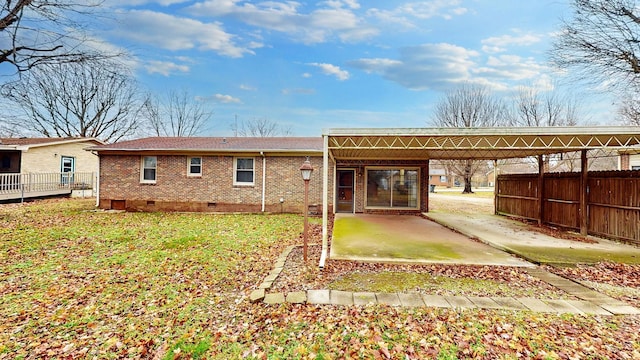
45 182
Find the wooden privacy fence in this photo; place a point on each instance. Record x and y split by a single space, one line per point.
613 201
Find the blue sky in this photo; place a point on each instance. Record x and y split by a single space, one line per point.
311 65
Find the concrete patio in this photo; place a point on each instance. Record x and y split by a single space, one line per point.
409 239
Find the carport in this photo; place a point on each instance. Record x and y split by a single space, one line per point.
372 151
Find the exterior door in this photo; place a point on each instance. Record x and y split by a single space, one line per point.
67 168
344 191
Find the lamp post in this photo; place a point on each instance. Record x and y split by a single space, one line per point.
306 169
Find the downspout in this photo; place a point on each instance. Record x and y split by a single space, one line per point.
97 183
264 179
325 199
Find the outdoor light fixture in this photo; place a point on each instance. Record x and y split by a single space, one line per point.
306 169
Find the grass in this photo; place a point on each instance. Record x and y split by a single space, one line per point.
458 193
554 256
75 283
68 269
391 282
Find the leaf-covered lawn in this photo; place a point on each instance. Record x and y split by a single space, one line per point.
81 284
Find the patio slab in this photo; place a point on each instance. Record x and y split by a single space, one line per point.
409 239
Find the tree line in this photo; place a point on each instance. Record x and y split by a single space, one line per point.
62 85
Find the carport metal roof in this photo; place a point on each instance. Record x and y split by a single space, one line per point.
464 143
473 143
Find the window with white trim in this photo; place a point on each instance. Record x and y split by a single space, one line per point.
194 165
243 171
148 167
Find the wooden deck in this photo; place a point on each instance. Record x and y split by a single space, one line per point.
25 186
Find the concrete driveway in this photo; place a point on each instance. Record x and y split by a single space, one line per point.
522 239
409 239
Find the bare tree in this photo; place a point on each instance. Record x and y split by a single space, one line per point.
629 110
601 42
261 127
468 106
535 108
179 115
77 99
35 32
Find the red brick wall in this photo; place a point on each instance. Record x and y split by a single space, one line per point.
214 191
624 162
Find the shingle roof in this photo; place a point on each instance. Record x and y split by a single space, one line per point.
25 141
216 144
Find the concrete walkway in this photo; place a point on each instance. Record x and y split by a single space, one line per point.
591 302
511 236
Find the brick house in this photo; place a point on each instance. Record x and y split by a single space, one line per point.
629 159
209 174
243 174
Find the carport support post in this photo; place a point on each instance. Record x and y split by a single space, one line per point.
540 188
426 198
584 192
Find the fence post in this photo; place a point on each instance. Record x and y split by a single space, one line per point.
584 182
540 189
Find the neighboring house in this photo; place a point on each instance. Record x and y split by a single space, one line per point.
629 159
438 177
209 174
47 155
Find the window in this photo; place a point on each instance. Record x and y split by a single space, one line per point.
6 162
635 167
443 178
392 188
195 166
149 166
243 171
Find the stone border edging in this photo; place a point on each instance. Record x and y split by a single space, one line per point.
591 302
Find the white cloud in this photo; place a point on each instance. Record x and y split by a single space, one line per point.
247 87
302 91
440 66
329 69
405 14
429 66
123 3
500 43
226 99
220 98
165 67
306 75
176 33
511 67
332 18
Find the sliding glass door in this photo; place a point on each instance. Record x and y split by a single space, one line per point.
392 188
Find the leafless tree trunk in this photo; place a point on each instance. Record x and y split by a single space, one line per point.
468 106
38 32
77 99
179 115
261 127
601 43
